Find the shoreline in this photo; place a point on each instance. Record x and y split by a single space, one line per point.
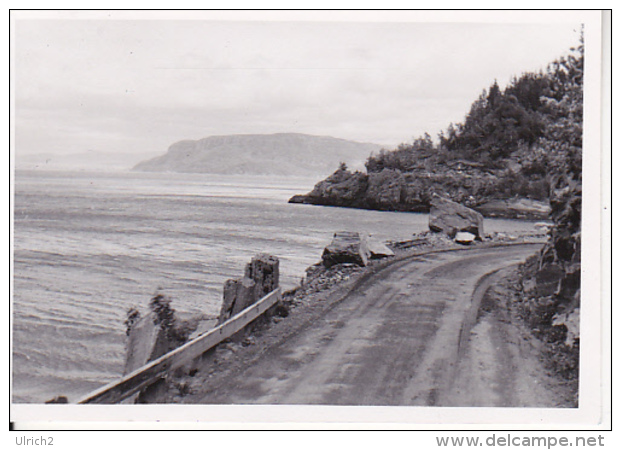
510 209
138 293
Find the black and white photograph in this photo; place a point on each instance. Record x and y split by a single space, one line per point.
307 216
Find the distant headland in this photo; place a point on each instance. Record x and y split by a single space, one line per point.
285 154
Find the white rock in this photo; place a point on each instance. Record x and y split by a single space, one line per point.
464 237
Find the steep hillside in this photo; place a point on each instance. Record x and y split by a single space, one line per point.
503 160
503 193
275 154
551 282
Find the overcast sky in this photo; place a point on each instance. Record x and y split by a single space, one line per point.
139 86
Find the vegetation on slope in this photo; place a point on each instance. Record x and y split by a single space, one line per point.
506 149
551 283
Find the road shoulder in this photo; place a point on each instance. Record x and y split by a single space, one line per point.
502 364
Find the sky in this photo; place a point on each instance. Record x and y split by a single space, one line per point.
135 86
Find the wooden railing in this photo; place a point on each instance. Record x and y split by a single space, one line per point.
144 376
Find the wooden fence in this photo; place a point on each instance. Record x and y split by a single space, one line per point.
153 371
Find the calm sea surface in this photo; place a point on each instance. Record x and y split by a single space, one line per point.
87 246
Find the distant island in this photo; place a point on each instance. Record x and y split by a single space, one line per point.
291 154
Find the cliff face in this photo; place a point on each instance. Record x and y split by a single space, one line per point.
391 190
274 154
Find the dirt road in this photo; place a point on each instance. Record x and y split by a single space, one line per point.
397 339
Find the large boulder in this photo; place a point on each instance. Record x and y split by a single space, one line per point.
450 218
151 335
142 344
261 276
346 247
237 295
264 270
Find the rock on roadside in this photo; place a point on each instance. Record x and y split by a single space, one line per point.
261 276
147 341
450 218
464 238
346 247
379 250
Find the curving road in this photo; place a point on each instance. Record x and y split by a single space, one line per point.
394 340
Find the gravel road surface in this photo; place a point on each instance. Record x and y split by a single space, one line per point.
398 338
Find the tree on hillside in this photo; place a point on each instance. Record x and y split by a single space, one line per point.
557 316
563 105
499 122
562 143
514 142
405 158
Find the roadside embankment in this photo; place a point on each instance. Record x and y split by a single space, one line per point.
502 363
165 352
323 312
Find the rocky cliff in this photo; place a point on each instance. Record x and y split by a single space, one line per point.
392 190
274 154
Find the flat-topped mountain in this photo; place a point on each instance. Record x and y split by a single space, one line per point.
269 154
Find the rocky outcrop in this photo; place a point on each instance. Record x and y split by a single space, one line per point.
346 247
147 341
237 296
450 218
385 190
151 335
264 270
157 332
261 277
393 190
342 188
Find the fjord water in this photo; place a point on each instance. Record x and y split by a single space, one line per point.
87 246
